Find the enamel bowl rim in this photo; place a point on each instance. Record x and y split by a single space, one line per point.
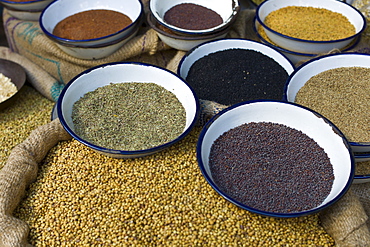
262 212
67 41
125 153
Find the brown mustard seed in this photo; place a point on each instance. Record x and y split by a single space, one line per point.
91 24
83 198
310 23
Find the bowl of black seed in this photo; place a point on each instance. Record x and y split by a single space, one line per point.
229 71
127 109
275 158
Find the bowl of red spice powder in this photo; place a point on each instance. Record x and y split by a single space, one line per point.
310 26
81 26
200 17
275 158
28 10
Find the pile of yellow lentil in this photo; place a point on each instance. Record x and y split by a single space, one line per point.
83 198
18 120
310 23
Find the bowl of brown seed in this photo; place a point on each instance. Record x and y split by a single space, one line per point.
337 86
28 10
195 17
127 109
91 29
310 26
12 80
275 158
182 42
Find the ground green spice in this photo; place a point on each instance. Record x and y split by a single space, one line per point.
129 116
83 198
343 96
17 121
310 23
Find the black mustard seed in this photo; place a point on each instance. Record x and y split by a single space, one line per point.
236 75
271 167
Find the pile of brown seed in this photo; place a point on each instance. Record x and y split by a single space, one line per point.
83 198
342 96
18 120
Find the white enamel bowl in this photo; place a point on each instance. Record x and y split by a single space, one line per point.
295 57
28 11
17 76
303 73
309 46
122 72
224 44
181 42
227 9
61 9
322 131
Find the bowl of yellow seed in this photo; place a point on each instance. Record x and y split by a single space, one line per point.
337 87
12 80
127 109
310 26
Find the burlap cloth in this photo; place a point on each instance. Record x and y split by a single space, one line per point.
48 69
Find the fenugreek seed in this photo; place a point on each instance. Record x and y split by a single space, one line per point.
144 202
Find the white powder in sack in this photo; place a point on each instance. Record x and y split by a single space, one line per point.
7 88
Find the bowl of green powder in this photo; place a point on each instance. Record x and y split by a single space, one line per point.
127 109
310 26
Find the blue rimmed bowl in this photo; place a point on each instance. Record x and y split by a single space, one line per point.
227 9
309 46
122 72
314 125
61 9
26 10
294 57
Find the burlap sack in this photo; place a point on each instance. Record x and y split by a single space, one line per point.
49 69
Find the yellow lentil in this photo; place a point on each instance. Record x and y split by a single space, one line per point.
310 23
18 120
83 198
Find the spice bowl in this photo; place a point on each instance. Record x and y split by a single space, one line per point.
28 10
17 76
263 189
311 42
195 17
60 10
293 56
183 42
122 74
332 94
229 71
